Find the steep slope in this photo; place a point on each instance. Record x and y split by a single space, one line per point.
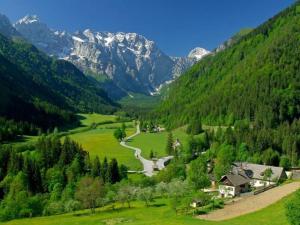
122 62
256 78
35 86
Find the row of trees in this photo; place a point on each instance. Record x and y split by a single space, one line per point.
10 130
93 193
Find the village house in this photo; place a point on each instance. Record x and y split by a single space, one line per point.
232 185
256 173
244 176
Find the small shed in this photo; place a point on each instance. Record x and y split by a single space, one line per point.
197 203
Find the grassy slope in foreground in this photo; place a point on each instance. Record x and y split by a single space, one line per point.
156 215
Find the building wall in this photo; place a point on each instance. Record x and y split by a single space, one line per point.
227 191
260 183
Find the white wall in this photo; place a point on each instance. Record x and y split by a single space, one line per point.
260 183
227 191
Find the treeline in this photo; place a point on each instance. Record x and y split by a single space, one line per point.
46 92
45 181
256 79
10 130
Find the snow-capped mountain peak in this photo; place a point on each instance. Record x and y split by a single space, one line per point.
130 61
28 19
198 53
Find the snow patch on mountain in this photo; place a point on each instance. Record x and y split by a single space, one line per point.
128 60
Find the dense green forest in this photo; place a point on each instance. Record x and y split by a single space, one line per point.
256 78
42 91
43 180
252 87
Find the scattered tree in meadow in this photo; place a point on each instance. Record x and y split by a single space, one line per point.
118 134
146 195
123 129
89 191
126 194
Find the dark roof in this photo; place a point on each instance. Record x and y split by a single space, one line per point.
235 179
256 171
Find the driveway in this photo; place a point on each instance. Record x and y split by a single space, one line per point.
252 203
147 164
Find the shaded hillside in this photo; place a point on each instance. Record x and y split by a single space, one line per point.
41 90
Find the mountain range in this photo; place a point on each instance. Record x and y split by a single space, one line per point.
43 90
120 62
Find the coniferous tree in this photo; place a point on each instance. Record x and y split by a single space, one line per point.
96 168
169 147
104 169
113 169
123 129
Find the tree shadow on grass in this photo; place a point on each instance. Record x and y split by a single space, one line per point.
158 205
108 210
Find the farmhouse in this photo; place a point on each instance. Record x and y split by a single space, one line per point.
233 184
244 175
257 173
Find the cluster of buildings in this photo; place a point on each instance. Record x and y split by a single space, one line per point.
245 177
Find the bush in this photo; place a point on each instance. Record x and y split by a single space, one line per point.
54 208
293 209
72 205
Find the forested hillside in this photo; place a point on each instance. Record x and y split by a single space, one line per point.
256 78
43 91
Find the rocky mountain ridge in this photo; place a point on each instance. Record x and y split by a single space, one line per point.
122 62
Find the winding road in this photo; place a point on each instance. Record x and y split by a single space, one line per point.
147 164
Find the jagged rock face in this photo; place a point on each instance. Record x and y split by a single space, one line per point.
129 60
53 43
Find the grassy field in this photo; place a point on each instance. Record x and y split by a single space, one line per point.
97 141
88 119
101 142
157 142
157 214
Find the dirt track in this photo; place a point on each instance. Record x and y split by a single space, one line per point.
252 203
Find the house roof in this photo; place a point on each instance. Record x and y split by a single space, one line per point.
235 179
256 171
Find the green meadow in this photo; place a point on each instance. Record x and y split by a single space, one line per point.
157 141
101 142
157 214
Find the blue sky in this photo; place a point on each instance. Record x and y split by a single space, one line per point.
176 26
